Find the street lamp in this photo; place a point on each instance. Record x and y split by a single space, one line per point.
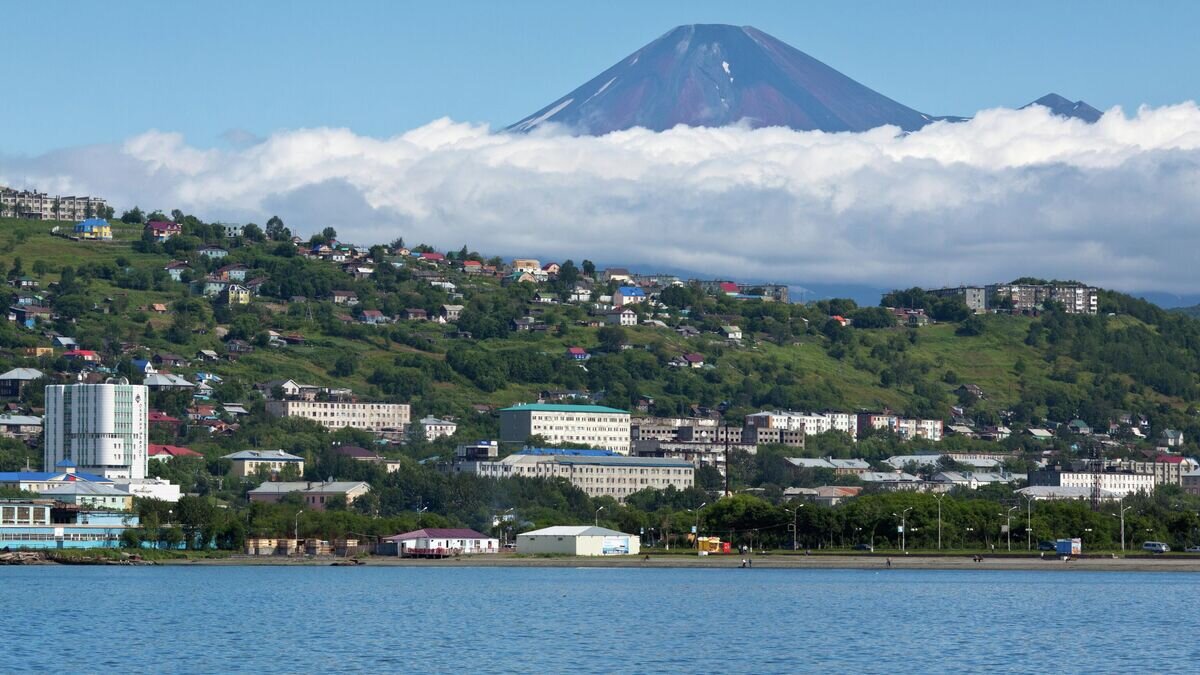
795 523
939 498
1008 525
1028 521
1122 517
903 516
969 530
598 515
696 530
296 528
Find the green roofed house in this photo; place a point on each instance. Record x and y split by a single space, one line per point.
593 425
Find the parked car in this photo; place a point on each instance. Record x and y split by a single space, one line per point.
1192 549
864 547
1155 547
1047 546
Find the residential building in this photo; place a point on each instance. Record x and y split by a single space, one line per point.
731 332
363 455
36 205
577 540
247 462
434 542
339 414
621 317
699 453
596 426
93 228
526 265
975 297
13 382
161 231
349 298
451 313
973 480
433 428
840 467
976 461
1075 298
165 453
1120 483
23 427
212 252
315 495
892 480
628 295
596 472
102 428
1191 483
825 495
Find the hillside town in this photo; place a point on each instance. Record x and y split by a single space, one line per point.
209 392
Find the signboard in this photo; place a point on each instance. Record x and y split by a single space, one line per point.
614 545
1003 529
693 529
899 529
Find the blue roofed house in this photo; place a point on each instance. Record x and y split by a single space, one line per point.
93 228
628 295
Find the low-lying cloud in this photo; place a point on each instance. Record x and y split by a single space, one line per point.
1010 193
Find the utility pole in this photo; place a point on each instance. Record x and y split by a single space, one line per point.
1008 526
296 528
1028 522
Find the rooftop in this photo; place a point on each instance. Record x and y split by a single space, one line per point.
562 407
574 531
263 456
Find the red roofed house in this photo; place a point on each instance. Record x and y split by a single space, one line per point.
578 353
168 452
472 266
373 317
729 288
694 360
433 256
435 542
82 355
160 417
162 231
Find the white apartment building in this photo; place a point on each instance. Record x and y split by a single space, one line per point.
1119 483
434 428
597 475
593 425
810 423
338 414
102 428
41 206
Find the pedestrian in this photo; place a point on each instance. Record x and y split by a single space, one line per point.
750 562
743 563
889 563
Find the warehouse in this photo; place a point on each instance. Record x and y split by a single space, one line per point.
578 540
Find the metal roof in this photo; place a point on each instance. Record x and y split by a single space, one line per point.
562 407
574 531
264 455
23 374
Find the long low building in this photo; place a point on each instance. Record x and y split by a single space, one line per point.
40 523
1120 483
578 540
315 495
339 414
597 472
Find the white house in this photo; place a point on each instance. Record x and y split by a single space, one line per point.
578 540
432 542
621 317
434 428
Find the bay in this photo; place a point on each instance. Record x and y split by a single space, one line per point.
206 619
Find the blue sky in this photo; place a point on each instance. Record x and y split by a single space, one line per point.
103 72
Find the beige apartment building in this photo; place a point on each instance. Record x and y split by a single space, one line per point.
593 425
597 475
338 414
41 206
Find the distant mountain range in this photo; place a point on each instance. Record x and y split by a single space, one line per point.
715 75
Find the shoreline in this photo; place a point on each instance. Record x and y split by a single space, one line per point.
776 562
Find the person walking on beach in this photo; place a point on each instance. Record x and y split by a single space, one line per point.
889 563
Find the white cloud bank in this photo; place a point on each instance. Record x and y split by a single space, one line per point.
1010 193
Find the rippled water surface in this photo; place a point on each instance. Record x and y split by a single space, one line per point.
547 620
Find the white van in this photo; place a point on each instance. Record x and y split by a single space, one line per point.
1155 547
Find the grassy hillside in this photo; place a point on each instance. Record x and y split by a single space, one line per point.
790 359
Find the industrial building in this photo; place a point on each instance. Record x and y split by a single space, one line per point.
578 540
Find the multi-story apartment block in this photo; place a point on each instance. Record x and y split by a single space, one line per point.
975 297
101 428
593 425
598 473
338 414
41 206
809 423
1075 298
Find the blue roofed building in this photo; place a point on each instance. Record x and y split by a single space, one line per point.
47 524
628 295
93 228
